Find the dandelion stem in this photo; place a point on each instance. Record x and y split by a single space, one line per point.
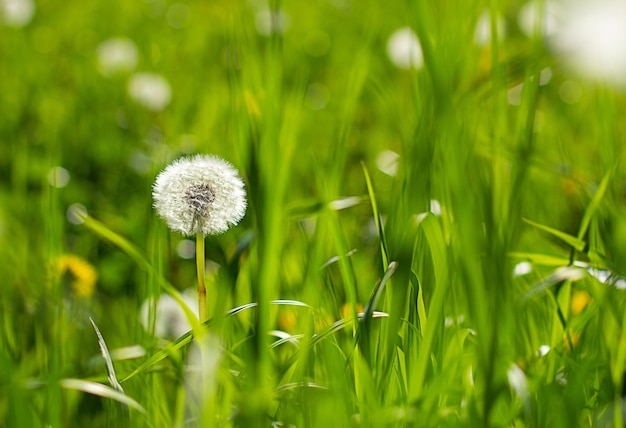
202 310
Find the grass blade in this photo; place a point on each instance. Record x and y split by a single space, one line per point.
100 390
574 242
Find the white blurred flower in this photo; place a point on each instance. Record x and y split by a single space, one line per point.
17 13
543 350
269 22
58 177
150 90
170 319
435 207
519 383
200 194
387 162
522 268
482 33
592 39
404 49
117 55
531 12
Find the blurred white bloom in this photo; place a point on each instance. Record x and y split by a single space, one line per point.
268 22
404 49
592 39
170 319
482 33
387 162
117 55
16 13
200 194
58 177
435 207
150 90
522 268
76 213
543 350
530 13
186 249
519 383
201 379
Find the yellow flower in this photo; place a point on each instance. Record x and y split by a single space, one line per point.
80 274
580 300
575 339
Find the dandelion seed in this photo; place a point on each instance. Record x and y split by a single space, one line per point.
202 195
404 49
150 90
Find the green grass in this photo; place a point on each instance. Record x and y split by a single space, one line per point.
446 326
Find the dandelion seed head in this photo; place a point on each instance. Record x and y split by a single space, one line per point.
201 194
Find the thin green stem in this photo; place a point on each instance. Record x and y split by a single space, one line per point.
202 310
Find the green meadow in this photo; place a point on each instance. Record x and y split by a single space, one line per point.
435 236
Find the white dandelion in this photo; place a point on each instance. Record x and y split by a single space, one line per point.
150 90
202 194
404 49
